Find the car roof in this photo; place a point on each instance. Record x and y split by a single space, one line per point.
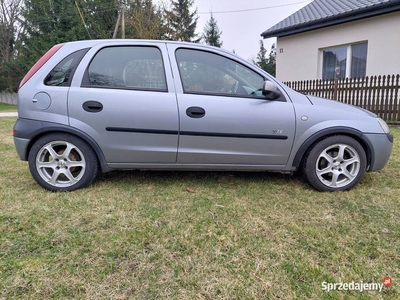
91 43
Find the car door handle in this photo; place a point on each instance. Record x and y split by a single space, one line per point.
92 106
195 112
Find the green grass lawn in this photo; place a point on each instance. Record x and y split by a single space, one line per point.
7 108
144 235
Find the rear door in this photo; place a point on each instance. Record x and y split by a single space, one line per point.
123 97
224 119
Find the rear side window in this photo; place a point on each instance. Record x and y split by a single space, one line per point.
62 73
127 67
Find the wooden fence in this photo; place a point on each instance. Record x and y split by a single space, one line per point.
378 94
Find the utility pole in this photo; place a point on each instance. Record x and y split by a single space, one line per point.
123 22
120 19
117 25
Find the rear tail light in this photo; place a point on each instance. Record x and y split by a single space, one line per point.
40 63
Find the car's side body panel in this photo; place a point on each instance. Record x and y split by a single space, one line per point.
264 139
134 125
30 130
234 130
138 106
315 121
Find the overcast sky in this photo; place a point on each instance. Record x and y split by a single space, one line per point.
241 30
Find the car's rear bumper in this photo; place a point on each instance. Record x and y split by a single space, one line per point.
22 146
23 128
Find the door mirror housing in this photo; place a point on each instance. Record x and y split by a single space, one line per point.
271 91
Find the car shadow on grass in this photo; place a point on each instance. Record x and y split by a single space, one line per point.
200 177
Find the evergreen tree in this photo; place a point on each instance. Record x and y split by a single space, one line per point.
49 22
261 59
100 17
272 61
267 64
212 33
181 23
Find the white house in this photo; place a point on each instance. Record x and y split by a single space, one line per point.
338 38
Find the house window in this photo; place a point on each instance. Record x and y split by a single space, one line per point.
358 60
345 61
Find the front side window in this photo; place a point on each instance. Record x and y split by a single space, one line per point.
129 67
209 73
345 61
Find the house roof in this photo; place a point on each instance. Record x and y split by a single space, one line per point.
323 13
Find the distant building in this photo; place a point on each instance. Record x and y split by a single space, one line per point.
342 38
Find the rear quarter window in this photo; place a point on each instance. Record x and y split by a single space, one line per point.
62 73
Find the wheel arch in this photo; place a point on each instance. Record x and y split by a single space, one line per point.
48 128
320 135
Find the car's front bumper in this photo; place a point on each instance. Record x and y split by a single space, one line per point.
380 149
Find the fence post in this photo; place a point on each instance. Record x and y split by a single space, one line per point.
335 89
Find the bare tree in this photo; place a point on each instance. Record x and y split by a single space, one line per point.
10 27
145 20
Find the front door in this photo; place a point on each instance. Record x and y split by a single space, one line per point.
224 119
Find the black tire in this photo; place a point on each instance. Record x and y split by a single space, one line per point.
336 163
57 170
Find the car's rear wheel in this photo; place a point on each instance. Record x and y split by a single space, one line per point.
62 162
336 163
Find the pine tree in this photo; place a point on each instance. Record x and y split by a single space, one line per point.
181 22
212 33
49 22
261 59
267 64
100 17
272 61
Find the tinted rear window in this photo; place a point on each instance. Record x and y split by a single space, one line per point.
62 73
130 67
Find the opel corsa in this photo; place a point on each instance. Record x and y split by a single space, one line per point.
95 106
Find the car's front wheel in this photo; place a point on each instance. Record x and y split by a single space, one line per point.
62 162
336 163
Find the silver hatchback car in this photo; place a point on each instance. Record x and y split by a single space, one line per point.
94 106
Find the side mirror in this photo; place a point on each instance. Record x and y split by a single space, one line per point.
270 90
